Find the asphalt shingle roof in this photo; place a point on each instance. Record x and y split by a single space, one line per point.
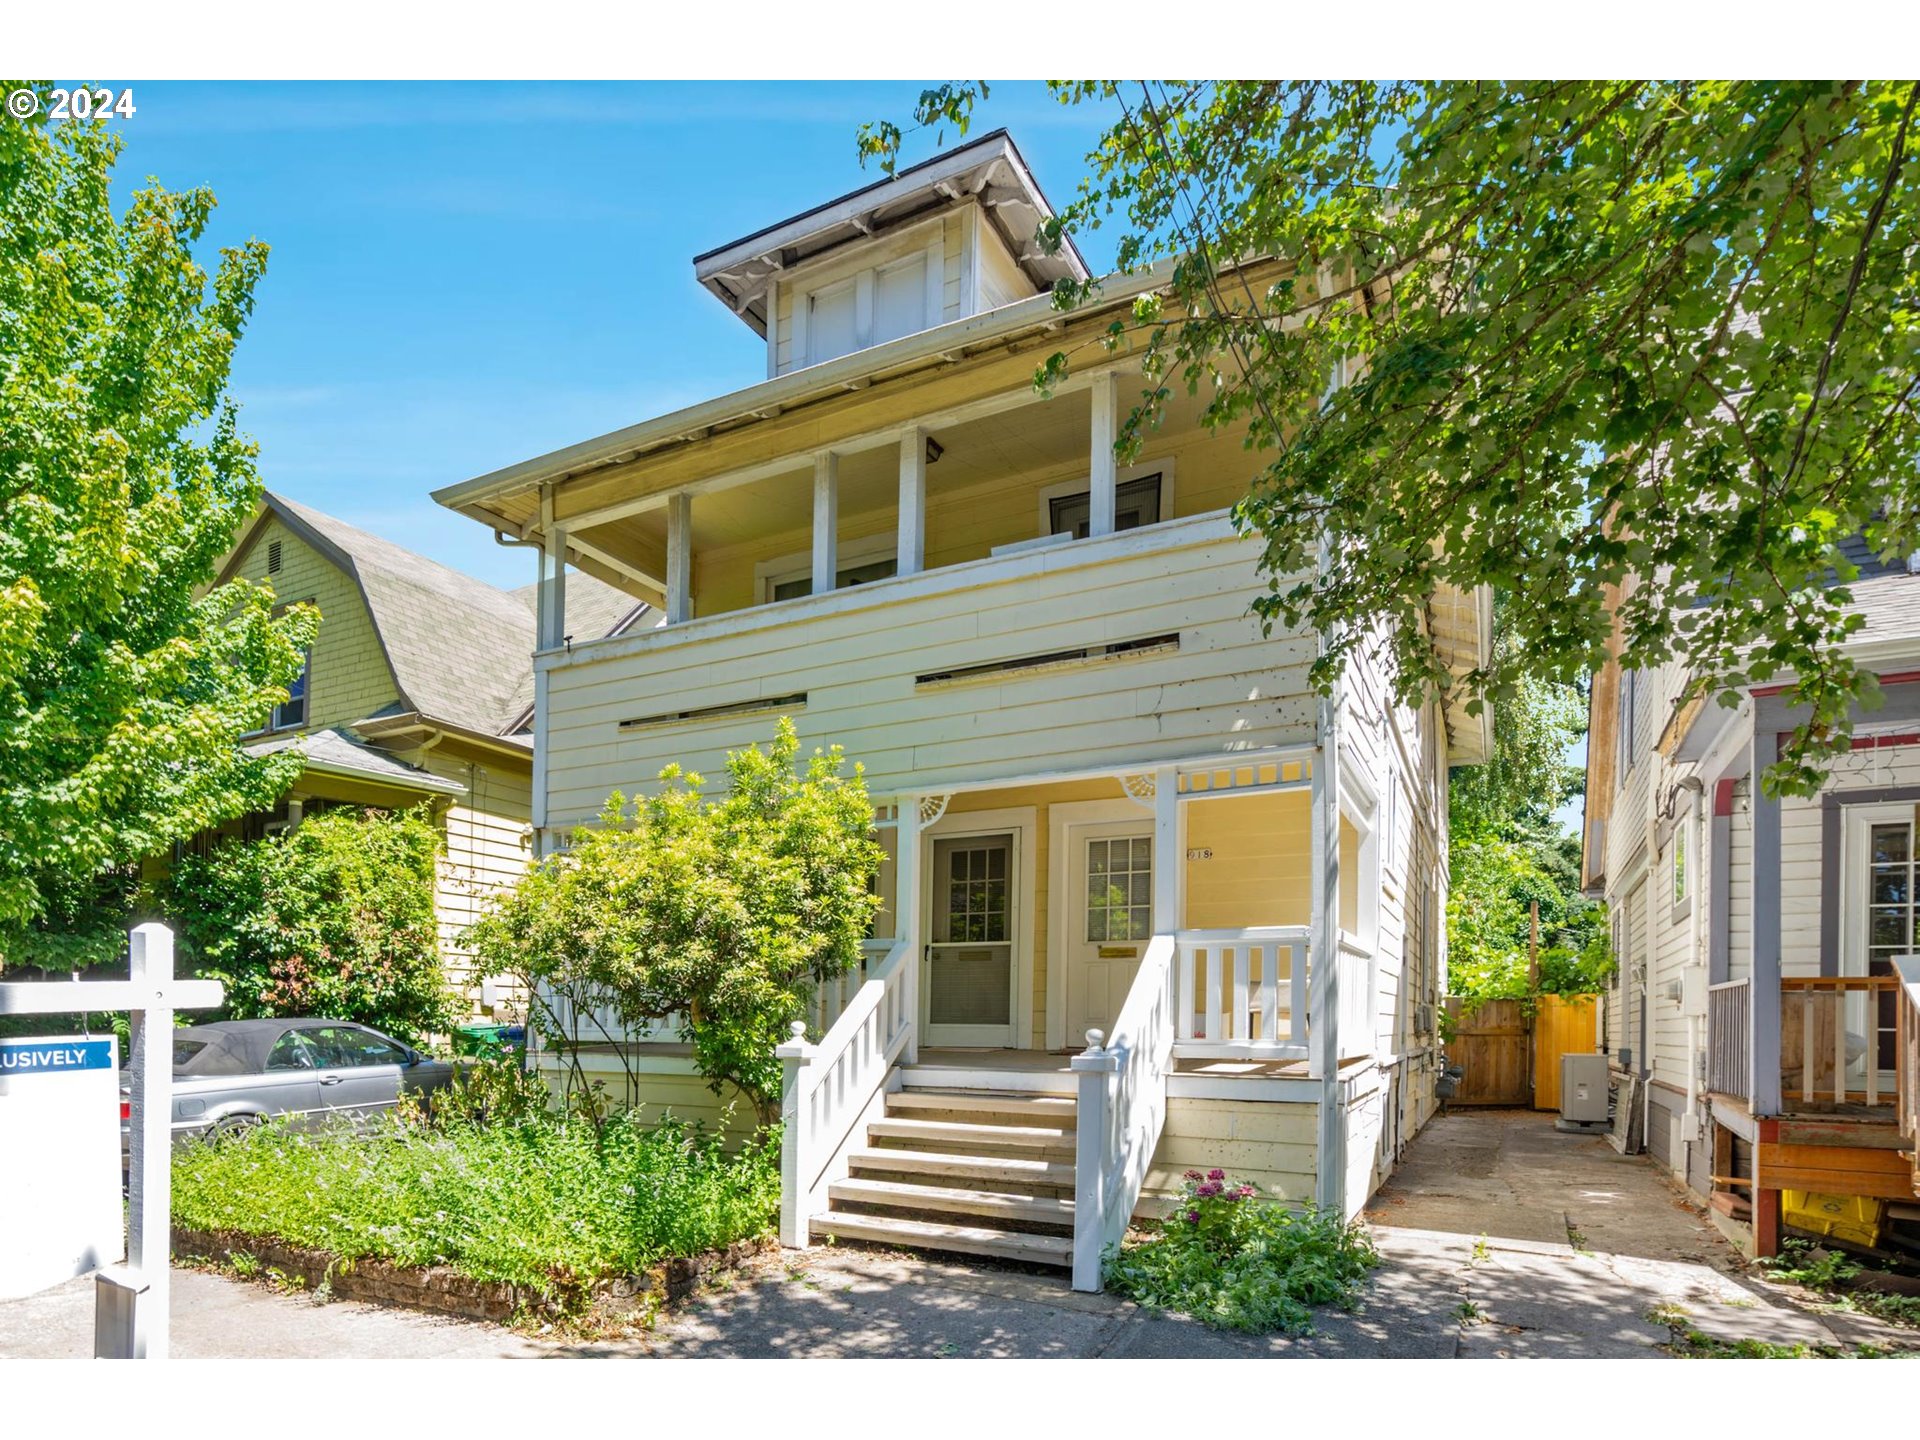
461 650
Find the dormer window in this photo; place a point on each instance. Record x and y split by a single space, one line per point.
837 310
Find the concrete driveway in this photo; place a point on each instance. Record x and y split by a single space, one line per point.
1500 1237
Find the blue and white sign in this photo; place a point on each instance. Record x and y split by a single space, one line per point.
60 1212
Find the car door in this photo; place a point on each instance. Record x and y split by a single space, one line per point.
359 1070
287 1086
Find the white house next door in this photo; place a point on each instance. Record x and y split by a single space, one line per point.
1109 920
971 969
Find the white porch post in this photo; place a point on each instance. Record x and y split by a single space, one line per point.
1169 852
913 503
1102 473
907 924
797 1140
1323 1036
826 521
679 558
1093 1070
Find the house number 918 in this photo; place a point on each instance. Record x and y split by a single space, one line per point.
1200 852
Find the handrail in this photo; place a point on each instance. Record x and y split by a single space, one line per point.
828 1089
1122 1110
1208 961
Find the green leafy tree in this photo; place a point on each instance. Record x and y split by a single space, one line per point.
1508 852
1543 336
724 913
333 918
123 479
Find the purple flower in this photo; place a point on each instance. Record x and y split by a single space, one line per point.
1208 1190
1216 1174
1193 1217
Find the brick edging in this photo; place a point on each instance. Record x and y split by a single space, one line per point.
445 1291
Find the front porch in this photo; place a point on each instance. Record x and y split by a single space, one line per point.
1091 984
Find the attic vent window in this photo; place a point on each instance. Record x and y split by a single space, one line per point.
762 706
1026 664
273 557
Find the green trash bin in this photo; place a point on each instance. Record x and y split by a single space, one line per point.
485 1041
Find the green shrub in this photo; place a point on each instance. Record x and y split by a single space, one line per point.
724 913
550 1202
333 918
1237 1262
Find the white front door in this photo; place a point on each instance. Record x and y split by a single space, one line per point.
971 969
1109 920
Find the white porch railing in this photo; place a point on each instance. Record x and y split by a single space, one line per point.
1729 1038
832 997
1122 1109
831 1090
1243 993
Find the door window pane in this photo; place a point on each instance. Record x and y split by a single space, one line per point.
1890 924
1119 889
292 1051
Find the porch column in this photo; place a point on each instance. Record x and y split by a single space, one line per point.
679 558
1763 1085
1169 851
906 923
1323 973
913 503
1102 472
826 521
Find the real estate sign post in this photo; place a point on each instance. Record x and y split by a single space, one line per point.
58 1112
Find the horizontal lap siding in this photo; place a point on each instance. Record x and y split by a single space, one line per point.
1225 686
1270 1144
487 851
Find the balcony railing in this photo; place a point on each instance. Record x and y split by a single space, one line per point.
1729 1038
1830 1038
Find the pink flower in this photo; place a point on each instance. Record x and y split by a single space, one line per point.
1191 1175
1216 1174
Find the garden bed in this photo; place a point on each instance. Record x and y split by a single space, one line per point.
544 1215
442 1289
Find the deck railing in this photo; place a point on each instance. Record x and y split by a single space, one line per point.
1829 1026
831 1090
1729 1038
1122 1108
1242 992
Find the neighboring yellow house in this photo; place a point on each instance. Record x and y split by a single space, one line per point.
1151 904
418 688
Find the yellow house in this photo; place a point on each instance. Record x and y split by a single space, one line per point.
418 689
1152 904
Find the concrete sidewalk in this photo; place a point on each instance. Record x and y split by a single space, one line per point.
1499 1237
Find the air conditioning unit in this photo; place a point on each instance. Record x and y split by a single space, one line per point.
1583 1093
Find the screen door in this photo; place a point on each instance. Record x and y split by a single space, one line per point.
970 966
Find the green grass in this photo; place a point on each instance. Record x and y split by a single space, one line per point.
1833 1273
545 1202
1236 1262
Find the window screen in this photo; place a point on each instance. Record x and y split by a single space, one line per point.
1135 503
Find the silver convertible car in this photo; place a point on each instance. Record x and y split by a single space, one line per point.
234 1073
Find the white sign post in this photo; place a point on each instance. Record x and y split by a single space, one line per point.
130 1303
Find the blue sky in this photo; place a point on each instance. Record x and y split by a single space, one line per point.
466 275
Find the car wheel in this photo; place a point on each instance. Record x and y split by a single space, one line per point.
232 1126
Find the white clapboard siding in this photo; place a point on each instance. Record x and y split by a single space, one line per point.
1225 688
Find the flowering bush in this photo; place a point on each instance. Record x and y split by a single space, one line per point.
1231 1259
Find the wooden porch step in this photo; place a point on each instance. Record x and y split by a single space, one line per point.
989 1107
1048 1141
965 1167
995 1204
948 1077
965 1239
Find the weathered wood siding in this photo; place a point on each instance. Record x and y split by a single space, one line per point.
1269 1144
856 656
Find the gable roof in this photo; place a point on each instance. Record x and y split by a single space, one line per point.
461 651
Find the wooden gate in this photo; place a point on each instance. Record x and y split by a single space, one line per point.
1491 1042
1562 1025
